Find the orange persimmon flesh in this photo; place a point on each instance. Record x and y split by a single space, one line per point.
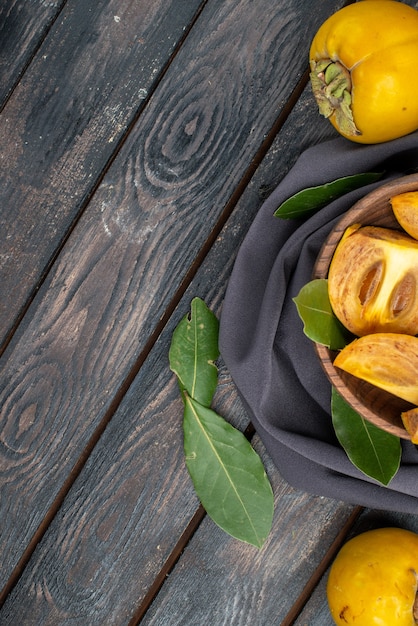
405 208
373 281
410 421
387 360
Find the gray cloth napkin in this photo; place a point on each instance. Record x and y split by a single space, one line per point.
273 364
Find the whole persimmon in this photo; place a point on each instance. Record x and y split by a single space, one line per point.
373 580
363 68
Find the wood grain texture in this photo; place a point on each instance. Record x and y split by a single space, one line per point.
235 584
64 122
105 299
142 449
113 544
122 526
23 26
66 118
120 267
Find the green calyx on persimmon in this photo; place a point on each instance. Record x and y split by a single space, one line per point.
363 63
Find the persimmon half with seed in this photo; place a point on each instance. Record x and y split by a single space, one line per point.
373 281
373 579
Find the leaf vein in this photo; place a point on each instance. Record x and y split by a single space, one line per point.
225 470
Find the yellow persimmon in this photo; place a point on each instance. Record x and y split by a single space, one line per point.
363 70
373 580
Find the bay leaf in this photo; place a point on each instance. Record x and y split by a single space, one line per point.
308 201
194 350
375 452
227 474
319 322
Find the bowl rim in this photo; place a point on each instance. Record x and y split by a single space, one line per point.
380 194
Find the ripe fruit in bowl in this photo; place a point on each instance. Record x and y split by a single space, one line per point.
374 578
405 208
410 421
386 360
373 281
374 209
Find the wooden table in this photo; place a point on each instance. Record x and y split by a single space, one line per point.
138 141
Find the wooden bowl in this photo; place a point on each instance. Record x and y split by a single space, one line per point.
377 406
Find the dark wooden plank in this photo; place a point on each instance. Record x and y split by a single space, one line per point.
316 612
99 570
79 562
64 122
239 585
130 251
23 26
137 466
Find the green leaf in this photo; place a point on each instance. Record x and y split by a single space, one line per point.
193 350
372 450
308 201
228 475
320 323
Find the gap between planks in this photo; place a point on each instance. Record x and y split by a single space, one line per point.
35 52
314 580
95 184
187 280
200 513
20 566
192 528
175 555
226 213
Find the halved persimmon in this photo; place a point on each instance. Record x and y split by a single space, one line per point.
405 208
387 360
373 281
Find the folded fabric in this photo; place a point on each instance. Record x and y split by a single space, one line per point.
273 364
